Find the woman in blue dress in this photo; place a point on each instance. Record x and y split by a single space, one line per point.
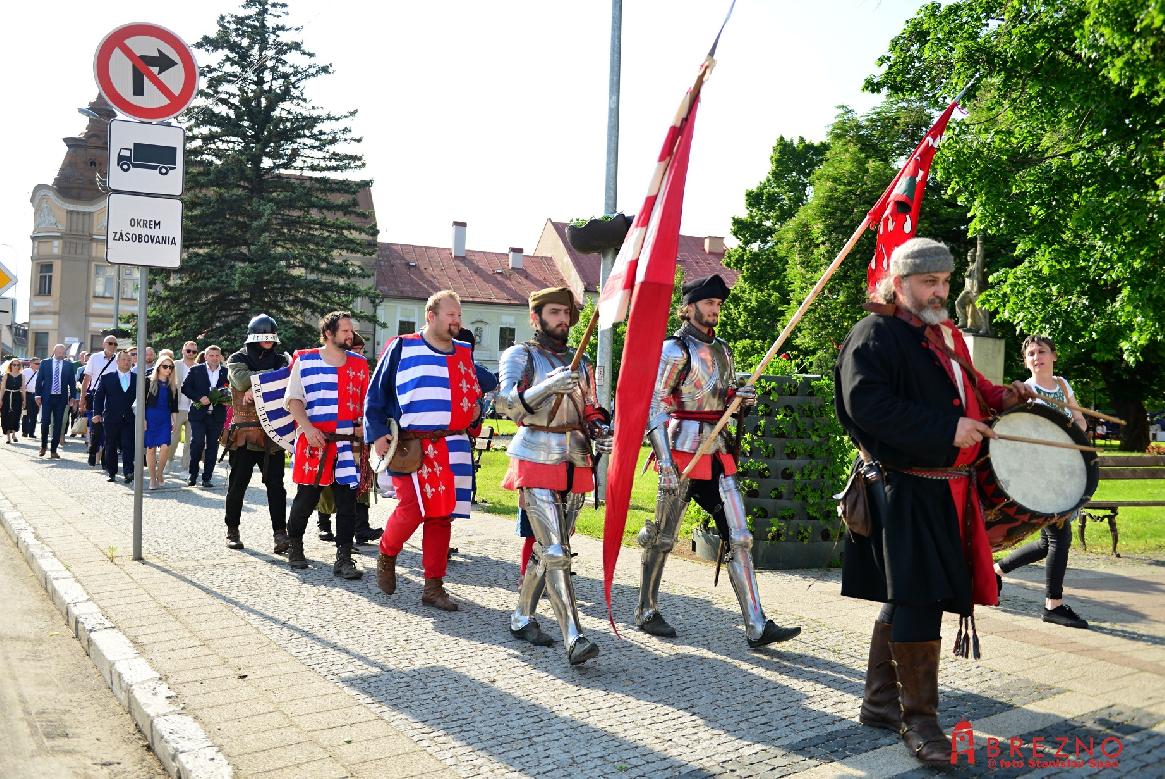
161 411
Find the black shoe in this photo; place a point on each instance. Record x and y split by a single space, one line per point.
584 649
344 567
774 634
129 480
368 535
326 534
93 459
192 481
111 477
657 626
208 485
295 556
233 540
282 542
1063 615
533 634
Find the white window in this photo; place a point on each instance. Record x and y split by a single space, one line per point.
102 281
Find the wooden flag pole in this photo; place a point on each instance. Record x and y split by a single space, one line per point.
578 355
710 440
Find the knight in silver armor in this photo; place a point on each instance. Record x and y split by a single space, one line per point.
551 462
694 386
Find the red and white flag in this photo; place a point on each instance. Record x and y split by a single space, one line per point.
896 212
639 290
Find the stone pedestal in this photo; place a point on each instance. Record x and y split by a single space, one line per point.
986 355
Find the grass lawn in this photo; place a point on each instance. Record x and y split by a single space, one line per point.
590 520
1141 530
502 426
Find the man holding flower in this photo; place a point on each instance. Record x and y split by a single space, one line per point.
204 386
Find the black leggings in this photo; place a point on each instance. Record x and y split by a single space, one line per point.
1054 543
912 623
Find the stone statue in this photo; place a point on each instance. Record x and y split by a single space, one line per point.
45 216
973 319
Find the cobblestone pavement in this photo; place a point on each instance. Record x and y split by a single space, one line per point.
456 692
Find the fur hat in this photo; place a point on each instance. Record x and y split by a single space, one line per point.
563 295
921 255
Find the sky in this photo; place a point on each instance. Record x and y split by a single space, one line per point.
492 113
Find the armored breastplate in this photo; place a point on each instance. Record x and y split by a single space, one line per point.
709 375
243 411
523 366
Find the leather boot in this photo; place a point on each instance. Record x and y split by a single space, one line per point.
281 542
880 705
916 663
386 573
233 539
434 595
295 556
344 566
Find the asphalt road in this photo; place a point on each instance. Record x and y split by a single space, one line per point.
57 717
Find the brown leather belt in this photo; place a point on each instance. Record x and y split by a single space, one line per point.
556 428
343 437
431 435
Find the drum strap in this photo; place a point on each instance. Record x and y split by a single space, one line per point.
944 474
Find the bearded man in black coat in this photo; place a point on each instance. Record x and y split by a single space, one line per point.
911 400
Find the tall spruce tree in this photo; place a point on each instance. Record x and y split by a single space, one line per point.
271 224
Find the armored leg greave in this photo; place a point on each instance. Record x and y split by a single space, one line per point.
740 569
657 539
552 516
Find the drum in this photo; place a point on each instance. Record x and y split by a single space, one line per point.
1026 486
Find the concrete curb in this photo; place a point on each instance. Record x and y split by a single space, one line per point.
179 742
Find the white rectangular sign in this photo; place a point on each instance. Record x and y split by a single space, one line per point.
146 158
144 231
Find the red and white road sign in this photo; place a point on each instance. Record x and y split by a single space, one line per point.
146 71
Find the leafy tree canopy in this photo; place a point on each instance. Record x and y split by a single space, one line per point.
802 214
1064 154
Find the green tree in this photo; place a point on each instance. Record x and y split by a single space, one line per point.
1064 154
269 227
780 264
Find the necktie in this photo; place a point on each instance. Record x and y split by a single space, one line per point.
56 377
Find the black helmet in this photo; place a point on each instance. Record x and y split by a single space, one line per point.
262 329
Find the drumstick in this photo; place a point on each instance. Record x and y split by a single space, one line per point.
1085 411
1042 442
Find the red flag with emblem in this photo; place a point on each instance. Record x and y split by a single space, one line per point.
641 283
896 212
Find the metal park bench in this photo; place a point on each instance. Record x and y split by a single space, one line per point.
1121 467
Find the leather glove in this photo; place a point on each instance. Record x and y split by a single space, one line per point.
747 395
669 478
560 381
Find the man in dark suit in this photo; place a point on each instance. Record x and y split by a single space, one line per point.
113 408
56 388
206 420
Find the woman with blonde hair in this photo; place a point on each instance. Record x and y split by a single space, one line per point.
11 399
161 411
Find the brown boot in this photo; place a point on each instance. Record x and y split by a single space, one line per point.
880 705
434 595
917 665
386 573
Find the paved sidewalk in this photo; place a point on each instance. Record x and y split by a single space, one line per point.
301 674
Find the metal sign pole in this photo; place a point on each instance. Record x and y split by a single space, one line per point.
139 421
